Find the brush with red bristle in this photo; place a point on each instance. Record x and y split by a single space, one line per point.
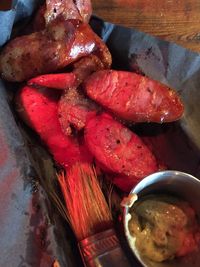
90 218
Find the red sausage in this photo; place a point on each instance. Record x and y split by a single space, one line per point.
38 108
60 81
119 150
81 70
134 97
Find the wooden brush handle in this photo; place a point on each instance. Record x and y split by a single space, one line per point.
103 249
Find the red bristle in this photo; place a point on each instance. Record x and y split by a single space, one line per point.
86 206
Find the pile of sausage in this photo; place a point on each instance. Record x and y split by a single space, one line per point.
80 110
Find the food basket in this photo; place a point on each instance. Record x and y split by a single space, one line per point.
32 231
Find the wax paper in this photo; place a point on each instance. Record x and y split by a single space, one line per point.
32 231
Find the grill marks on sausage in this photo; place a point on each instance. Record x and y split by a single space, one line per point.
118 149
134 97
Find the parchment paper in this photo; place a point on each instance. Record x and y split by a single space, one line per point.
31 231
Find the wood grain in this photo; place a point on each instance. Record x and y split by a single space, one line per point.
177 21
173 20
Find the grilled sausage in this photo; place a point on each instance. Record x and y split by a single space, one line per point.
62 43
118 150
134 97
85 8
38 108
69 9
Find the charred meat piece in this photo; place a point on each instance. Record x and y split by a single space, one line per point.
75 109
62 43
86 66
118 150
85 9
69 9
134 97
102 52
38 109
65 8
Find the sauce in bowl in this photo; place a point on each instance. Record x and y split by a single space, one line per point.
164 227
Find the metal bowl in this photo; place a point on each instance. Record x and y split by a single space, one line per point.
176 183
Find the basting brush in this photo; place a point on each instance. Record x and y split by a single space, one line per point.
90 218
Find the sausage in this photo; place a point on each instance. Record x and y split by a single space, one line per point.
60 81
84 67
81 70
118 150
74 109
85 8
60 44
69 9
134 97
65 8
38 109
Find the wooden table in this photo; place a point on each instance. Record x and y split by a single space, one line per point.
173 20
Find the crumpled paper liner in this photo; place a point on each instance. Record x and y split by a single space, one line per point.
32 232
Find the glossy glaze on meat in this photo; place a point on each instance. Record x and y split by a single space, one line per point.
134 97
62 43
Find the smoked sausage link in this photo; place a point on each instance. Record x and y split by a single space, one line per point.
134 97
38 109
118 150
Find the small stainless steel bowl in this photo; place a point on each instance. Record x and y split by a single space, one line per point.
176 183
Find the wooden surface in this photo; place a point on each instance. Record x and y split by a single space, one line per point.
173 20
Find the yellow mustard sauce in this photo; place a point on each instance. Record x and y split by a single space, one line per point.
164 226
